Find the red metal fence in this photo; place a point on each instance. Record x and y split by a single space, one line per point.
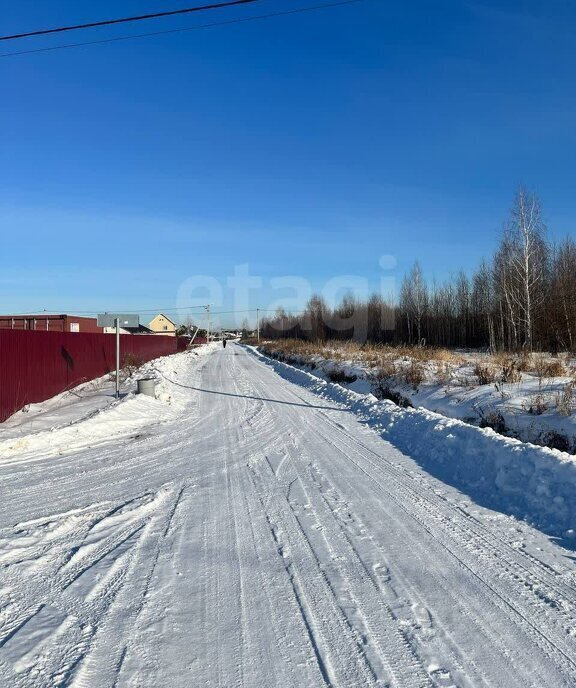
35 366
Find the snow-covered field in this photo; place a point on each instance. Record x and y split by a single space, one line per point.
256 526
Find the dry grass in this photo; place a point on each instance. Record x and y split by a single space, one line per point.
389 368
386 371
524 363
554 369
510 371
485 374
129 364
425 354
499 358
293 346
414 375
363 352
541 365
444 373
537 405
410 363
566 399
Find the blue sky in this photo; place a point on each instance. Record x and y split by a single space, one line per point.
306 146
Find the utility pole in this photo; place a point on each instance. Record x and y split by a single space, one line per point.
258 323
208 325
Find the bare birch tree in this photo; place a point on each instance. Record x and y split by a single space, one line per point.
526 255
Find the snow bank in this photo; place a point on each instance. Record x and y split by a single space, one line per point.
90 414
528 409
527 481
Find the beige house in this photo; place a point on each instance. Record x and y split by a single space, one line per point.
162 324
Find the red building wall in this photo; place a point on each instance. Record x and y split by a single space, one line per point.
35 366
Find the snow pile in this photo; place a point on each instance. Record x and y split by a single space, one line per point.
527 481
166 371
90 414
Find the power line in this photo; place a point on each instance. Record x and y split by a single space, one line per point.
125 20
117 39
73 311
117 310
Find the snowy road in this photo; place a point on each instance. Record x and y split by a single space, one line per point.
262 536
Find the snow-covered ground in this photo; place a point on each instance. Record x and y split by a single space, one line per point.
256 526
538 408
77 413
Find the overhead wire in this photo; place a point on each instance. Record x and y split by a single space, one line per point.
125 20
73 311
238 20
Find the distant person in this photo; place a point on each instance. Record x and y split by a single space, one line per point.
224 343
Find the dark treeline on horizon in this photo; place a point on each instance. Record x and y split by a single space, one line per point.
524 298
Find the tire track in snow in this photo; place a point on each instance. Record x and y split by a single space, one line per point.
355 582
106 655
375 557
540 572
336 646
284 609
66 608
253 431
337 432
548 640
335 643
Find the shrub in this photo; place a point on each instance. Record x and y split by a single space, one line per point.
485 374
544 368
565 400
499 358
386 371
554 369
443 372
537 405
510 371
130 363
414 375
524 363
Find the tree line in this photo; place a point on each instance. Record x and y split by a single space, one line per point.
524 298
